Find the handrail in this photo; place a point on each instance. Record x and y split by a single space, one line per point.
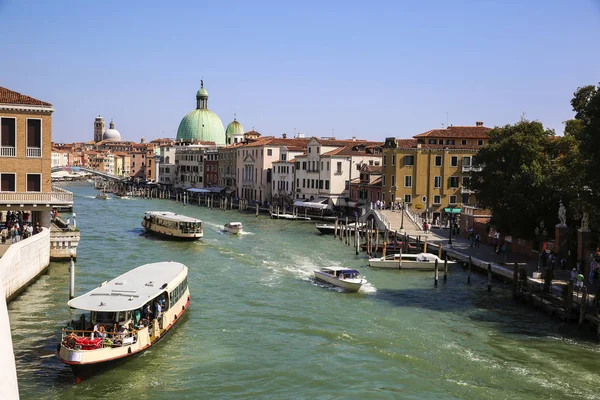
414 217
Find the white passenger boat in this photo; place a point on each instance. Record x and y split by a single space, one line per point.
345 278
172 225
121 317
234 227
422 261
102 196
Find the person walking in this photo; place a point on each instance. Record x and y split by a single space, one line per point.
477 239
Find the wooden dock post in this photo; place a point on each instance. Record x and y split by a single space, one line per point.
515 280
489 268
446 268
440 250
376 240
256 209
384 246
569 300
469 273
435 279
582 306
335 229
356 235
425 245
346 229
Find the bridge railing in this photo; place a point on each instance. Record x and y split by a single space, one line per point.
56 196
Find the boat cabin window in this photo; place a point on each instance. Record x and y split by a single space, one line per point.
179 291
103 316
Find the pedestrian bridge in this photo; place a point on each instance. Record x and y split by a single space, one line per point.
91 171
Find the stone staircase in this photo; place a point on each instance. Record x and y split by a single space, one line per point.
395 219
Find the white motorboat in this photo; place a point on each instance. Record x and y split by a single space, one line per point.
173 225
345 278
122 317
330 228
234 227
102 196
421 261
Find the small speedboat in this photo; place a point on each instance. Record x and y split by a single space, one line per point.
422 261
234 227
346 278
102 196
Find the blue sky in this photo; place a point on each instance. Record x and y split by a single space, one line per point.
369 69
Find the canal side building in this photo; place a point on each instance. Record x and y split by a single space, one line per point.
430 172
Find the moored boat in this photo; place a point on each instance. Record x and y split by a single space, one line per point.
329 229
172 225
422 261
234 227
391 246
124 316
346 278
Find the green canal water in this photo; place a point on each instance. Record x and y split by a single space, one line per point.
259 327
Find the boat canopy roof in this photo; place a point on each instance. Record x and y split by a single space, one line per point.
171 216
131 290
340 269
234 224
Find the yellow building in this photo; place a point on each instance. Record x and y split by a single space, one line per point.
429 173
25 158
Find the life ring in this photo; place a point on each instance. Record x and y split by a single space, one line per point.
70 340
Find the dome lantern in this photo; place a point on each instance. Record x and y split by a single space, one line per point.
202 97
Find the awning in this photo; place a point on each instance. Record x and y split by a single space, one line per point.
320 203
353 203
452 210
197 190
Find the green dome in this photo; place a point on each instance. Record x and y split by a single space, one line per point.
202 93
234 128
203 125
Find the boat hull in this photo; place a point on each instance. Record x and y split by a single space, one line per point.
84 370
348 285
405 264
170 233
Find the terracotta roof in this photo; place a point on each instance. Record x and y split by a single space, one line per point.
374 169
11 97
349 151
473 132
272 141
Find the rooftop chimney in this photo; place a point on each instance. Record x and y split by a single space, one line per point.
479 123
300 135
284 136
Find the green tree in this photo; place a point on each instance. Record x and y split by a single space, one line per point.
586 130
516 182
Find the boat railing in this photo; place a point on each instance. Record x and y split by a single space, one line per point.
90 340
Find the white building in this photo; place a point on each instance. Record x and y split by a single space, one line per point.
60 158
323 173
166 168
254 164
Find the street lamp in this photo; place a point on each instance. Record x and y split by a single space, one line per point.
402 205
450 225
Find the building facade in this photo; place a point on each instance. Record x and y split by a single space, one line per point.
430 172
26 157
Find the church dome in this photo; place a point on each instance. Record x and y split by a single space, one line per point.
234 128
201 124
111 133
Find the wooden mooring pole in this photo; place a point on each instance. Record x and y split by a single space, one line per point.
435 281
515 280
582 306
489 268
445 267
469 273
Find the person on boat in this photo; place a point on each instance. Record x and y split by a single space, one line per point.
100 332
158 310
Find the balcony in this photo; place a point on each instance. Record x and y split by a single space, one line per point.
464 190
471 168
57 197
34 152
8 151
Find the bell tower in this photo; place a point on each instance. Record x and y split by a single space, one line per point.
99 126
